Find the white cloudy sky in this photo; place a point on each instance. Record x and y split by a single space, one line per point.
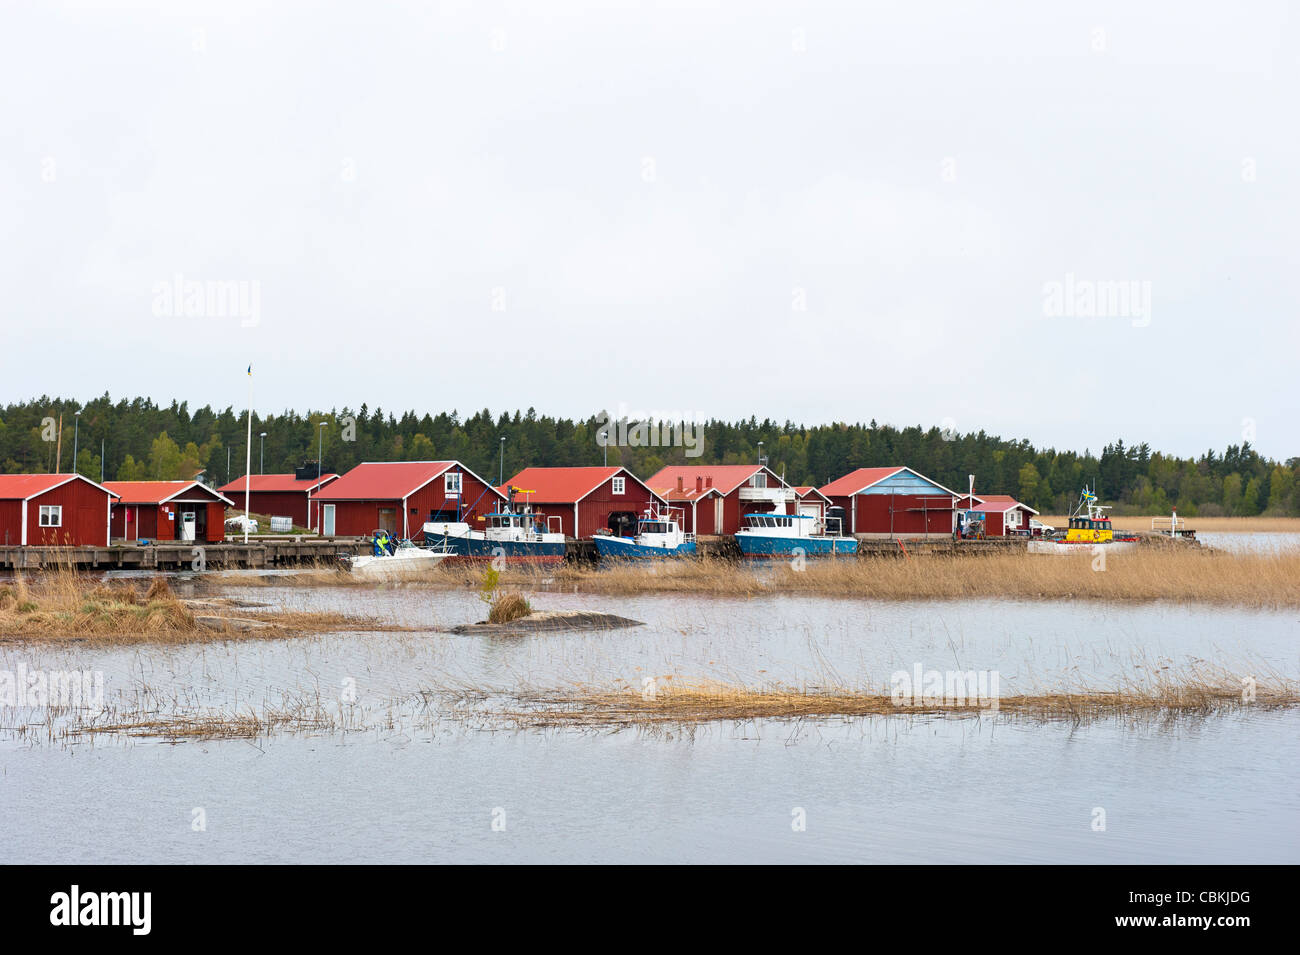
649 189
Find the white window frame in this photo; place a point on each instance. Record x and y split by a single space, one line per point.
448 480
759 480
620 486
54 511
1013 517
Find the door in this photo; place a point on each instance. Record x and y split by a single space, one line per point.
717 516
327 518
388 519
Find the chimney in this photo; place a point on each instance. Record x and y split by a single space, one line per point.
699 485
708 481
679 484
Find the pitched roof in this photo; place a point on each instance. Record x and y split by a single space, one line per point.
567 485
159 492
387 480
726 477
857 481
999 503
804 490
275 482
686 495
24 487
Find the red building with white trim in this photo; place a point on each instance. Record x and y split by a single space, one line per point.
741 489
1003 514
168 510
581 502
810 501
278 495
54 510
401 497
890 503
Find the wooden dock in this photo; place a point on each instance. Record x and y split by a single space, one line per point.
186 555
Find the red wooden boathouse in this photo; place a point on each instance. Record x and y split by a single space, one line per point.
168 510
401 496
581 502
889 503
54 510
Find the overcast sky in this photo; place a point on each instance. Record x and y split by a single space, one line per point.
831 211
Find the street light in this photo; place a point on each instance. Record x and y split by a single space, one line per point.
76 428
501 468
604 443
261 456
320 450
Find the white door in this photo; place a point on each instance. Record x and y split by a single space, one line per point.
188 522
717 516
327 517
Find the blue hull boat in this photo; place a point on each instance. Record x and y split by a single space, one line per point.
625 548
756 546
529 552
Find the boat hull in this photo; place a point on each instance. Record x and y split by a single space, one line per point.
396 567
1082 547
759 547
512 552
621 548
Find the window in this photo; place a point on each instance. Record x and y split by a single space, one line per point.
51 515
620 485
759 480
451 484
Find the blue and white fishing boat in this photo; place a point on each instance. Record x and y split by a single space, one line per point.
659 534
791 535
514 534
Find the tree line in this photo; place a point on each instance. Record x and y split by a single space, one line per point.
136 439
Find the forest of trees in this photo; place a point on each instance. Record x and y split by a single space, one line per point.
141 440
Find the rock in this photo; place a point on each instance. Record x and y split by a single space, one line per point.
551 621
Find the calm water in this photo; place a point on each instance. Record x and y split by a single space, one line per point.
414 783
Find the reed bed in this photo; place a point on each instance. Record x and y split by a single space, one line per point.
685 704
1182 574
64 605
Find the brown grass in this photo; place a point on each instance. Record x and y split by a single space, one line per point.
1259 525
67 606
685 704
1184 574
509 606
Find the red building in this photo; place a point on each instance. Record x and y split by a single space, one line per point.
168 510
891 503
811 501
279 495
401 496
581 502
54 510
741 489
1003 514
698 505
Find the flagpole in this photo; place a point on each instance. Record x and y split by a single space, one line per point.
248 453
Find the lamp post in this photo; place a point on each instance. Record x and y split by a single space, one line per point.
760 453
261 456
604 443
76 429
501 467
320 450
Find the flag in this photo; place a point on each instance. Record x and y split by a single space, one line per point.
250 371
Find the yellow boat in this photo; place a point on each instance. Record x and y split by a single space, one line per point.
1089 527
